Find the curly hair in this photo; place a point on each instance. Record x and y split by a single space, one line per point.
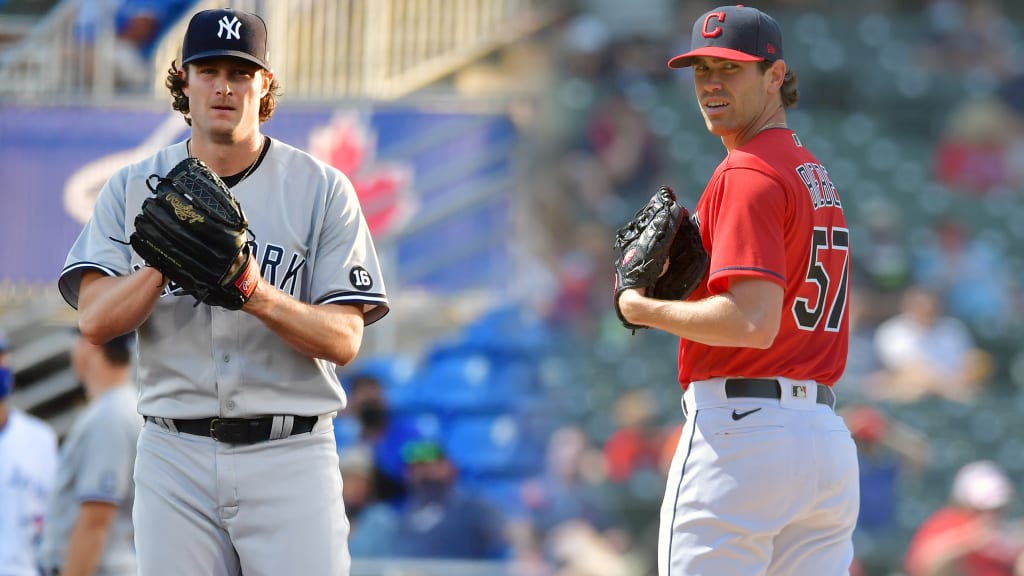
176 84
790 93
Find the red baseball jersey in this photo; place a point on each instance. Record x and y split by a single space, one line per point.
770 211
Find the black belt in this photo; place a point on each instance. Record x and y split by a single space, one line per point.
239 430
770 388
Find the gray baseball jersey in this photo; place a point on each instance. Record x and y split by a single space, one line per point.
311 241
96 464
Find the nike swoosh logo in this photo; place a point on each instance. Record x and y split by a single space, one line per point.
741 415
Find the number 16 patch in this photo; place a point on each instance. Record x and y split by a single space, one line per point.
360 278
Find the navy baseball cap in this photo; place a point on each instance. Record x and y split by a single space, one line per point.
733 33
226 32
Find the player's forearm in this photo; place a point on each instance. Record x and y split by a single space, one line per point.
329 332
747 315
109 306
85 548
713 321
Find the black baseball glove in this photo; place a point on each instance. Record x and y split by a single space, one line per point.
642 246
687 262
660 232
193 231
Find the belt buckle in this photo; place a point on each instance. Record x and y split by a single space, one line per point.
227 430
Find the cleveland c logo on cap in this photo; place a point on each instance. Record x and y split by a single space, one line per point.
717 31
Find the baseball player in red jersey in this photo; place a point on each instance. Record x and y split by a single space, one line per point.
764 479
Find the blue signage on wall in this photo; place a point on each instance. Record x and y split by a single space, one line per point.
427 181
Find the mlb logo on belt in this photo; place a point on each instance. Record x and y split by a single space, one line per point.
799 391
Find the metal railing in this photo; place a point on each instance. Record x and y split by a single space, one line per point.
320 49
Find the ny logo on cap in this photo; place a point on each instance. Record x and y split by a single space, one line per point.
229 27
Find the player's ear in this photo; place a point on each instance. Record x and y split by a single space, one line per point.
268 78
183 75
776 75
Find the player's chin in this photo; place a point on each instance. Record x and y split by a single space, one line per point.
717 127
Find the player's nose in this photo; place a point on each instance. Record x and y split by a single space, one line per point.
222 85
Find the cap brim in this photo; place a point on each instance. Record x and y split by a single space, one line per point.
229 53
684 60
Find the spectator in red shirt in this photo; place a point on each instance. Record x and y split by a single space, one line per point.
969 537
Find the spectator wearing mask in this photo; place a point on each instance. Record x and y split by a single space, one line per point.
439 519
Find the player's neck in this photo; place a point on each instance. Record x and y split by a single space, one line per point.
775 120
226 159
101 382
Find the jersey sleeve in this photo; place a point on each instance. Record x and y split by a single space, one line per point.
106 462
98 246
346 269
747 228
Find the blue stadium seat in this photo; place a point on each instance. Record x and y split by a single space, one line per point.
505 332
390 370
488 445
502 491
398 378
473 384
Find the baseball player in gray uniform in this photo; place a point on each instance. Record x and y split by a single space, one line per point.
89 521
237 469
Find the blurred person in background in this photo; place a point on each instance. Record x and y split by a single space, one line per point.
368 421
28 468
927 353
373 522
440 520
636 443
973 154
570 488
887 451
137 26
89 526
970 274
971 535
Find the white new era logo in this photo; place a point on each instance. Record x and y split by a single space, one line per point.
229 27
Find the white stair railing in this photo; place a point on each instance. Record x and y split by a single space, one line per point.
321 49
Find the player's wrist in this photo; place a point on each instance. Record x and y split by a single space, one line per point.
153 277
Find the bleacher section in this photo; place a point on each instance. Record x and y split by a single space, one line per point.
476 394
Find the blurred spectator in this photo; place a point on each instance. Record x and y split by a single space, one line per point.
926 353
867 310
566 508
373 522
969 274
28 467
637 442
966 36
579 550
973 155
137 26
884 260
567 490
440 520
970 536
620 138
887 450
367 421
89 526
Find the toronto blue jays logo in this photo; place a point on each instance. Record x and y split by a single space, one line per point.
384 188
